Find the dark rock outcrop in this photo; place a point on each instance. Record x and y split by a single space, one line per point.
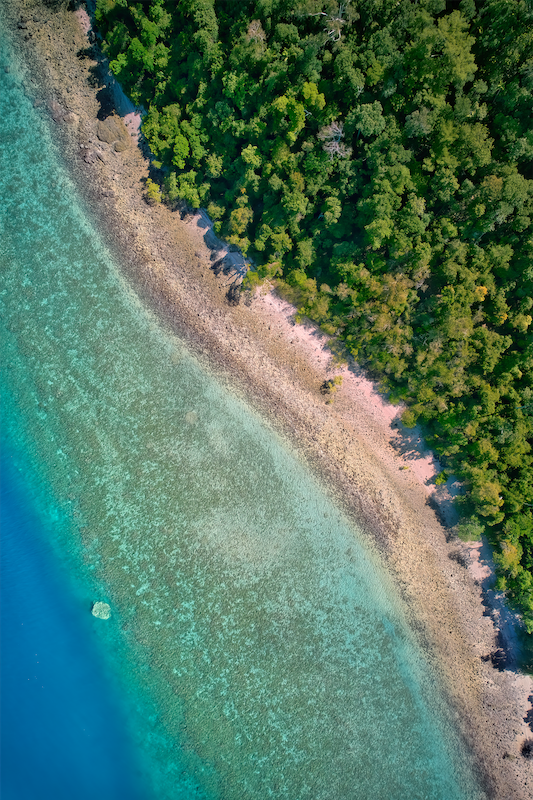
113 131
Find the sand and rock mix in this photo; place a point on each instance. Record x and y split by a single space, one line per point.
380 472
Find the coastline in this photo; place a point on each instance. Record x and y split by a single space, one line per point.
279 368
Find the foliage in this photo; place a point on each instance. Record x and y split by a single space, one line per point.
153 192
379 155
330 386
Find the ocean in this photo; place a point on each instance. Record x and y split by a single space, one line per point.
257 646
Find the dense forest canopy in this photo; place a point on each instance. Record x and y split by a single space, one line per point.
376 158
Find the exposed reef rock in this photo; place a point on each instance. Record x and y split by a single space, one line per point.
101 610
113 131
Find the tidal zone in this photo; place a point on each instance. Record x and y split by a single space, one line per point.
256 646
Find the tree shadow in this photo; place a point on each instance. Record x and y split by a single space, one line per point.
410 442
528 719
500 656
100 78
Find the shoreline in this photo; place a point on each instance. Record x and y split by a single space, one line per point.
279 368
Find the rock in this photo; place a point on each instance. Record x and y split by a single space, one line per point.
57 111
101 610
71 118
88 156
105 132
112 130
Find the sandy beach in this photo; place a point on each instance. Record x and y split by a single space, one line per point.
381 473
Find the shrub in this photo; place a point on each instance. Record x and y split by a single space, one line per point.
153 192
527 749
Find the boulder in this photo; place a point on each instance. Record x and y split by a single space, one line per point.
71 118
88 156
113 131
57 111
101 610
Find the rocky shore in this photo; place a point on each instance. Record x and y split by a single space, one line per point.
380 474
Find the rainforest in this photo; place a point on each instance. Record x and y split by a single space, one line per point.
373 159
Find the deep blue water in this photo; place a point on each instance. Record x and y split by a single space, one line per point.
63 732
257 648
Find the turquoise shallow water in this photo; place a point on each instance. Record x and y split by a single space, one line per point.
256 647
